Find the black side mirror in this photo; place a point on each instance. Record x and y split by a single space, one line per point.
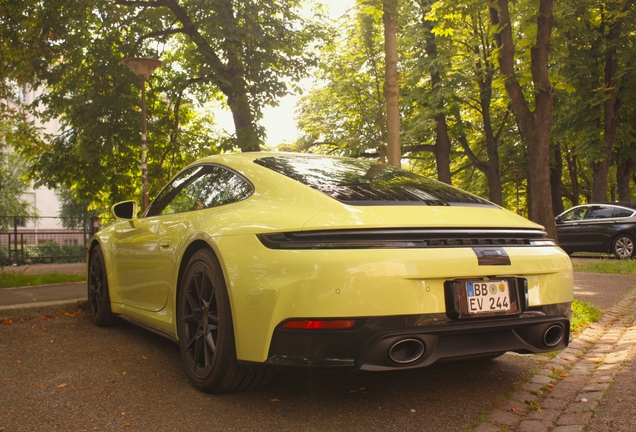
125 210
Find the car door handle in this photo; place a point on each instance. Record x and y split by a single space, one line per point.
164 244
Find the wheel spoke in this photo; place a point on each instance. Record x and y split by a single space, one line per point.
194 304
188 318
207 281
210 341
198 347
213 318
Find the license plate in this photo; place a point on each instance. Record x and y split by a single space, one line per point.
487 296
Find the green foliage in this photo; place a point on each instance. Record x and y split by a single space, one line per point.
612 266
46 253
244 53
583 314
17 279
347 115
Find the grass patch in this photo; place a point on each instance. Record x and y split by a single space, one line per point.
606 266
18 279
583 314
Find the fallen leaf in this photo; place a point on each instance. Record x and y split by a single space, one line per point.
128 425
437 389
619 400
10 363
61 386
109 387
564 374
6 321
124 373
413 411
143 357
11 379
274 400
518 410
123 414
19 362
39 385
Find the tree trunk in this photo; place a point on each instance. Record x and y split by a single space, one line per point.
442 149
624 173
247 134
492 150
556 174
611 108
228 77
391 88
574 177
534 125
442 140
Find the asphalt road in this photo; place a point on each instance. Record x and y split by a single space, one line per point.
66 374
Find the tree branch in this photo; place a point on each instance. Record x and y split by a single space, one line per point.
155 34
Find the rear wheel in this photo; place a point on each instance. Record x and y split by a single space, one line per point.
98 295
206 333
624 246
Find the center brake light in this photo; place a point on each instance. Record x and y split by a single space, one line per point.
319 324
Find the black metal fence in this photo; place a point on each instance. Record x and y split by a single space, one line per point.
44 240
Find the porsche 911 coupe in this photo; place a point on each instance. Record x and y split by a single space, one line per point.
258 262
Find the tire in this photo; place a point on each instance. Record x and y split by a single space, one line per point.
206 333
624 246
97 287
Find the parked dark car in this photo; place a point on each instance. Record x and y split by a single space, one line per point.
604 227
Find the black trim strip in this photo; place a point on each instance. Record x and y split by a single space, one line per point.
403 238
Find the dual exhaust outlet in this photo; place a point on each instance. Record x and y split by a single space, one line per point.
410 350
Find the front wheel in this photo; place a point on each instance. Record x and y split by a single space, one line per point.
98 295
206 333
623 246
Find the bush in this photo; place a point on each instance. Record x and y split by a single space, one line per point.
45 253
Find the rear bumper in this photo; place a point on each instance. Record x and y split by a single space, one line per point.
388 343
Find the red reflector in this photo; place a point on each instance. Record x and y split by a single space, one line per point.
319 324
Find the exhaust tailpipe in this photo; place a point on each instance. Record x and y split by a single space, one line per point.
553 336
406 351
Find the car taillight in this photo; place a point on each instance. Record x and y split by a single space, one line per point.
319 324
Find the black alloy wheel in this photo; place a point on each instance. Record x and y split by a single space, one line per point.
206 333
98 295
623 246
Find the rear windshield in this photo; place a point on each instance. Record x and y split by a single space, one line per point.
362 182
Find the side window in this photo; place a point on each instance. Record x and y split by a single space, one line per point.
599 212
574 215
223 187
622 212
199 188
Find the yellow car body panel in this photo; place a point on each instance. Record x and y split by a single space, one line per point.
272 286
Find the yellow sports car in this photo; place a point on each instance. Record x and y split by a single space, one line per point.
259 261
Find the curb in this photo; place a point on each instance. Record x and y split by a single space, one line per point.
564 394
20 311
